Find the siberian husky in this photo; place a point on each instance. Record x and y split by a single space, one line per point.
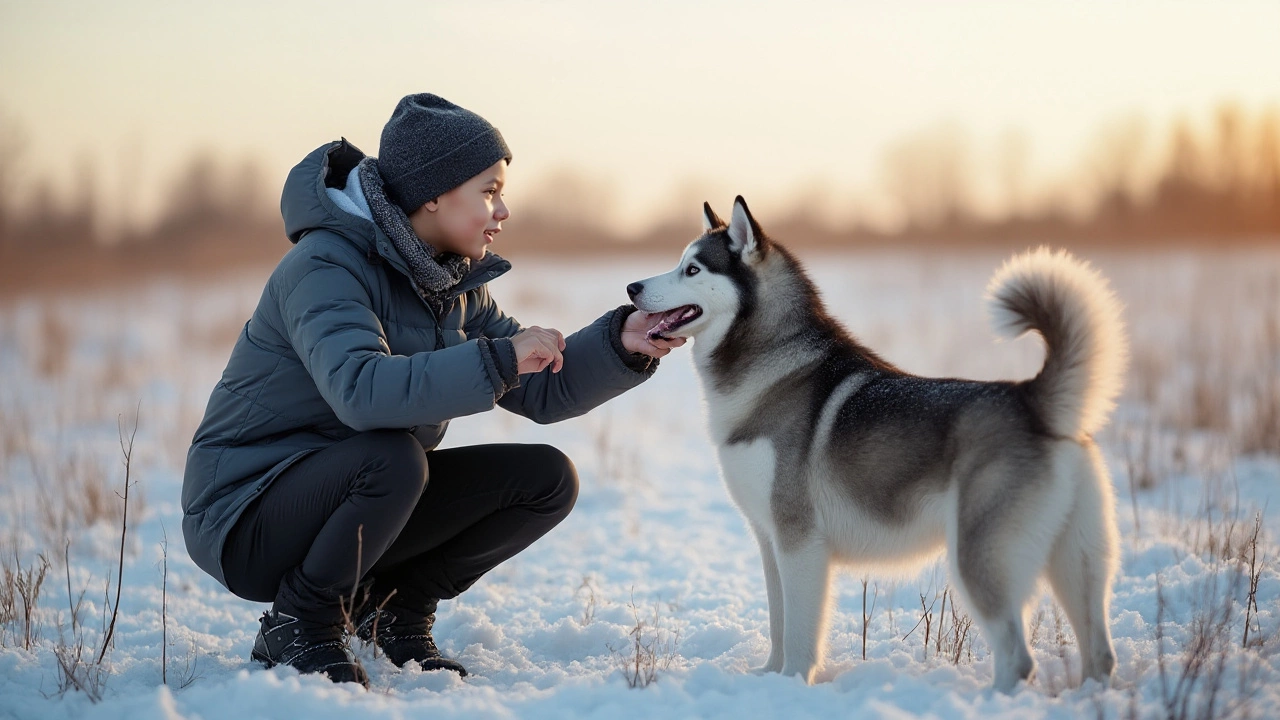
834 455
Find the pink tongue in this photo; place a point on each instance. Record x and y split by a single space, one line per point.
665 323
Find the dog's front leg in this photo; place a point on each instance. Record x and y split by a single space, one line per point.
805 575
773 588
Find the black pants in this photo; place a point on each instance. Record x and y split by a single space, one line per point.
375 506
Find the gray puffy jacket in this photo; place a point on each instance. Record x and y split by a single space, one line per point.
341 343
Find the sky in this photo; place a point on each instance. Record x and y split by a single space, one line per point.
651 105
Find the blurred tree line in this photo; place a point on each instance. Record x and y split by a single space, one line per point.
1192 184
206 199
1220 184
1215 183
215 215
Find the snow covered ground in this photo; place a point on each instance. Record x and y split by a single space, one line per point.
654 557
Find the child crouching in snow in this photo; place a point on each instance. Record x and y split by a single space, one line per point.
316 459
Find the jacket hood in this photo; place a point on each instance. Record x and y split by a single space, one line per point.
306 206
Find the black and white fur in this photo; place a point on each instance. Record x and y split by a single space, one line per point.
834 455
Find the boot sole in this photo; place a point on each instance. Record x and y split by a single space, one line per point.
267 663
260 658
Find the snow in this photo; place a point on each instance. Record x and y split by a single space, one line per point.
654 537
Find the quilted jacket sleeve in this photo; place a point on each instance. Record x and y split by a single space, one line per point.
330 322
592 374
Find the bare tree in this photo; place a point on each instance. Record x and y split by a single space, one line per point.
82 217
570 198
1184 176
12 144
1267 167
1230 169
246 191
196 197
1013 158
1117 164
928 174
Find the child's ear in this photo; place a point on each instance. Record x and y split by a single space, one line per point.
432 205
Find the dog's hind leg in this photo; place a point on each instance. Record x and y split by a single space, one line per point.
805 573
1003 625
1000 546
773 587
1082 565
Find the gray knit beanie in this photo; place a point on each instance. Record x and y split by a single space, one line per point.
431 146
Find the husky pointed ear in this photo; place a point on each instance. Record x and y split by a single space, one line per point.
710 220
745 236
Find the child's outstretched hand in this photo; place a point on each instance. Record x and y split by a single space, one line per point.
635 335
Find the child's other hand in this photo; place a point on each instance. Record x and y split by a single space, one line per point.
536 348
635 335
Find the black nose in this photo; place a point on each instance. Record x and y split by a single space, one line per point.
634 289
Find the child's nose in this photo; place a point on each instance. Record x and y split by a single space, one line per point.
500 212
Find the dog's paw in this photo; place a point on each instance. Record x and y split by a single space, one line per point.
768 667
804 674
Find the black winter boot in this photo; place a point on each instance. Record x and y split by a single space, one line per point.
309 647
405 635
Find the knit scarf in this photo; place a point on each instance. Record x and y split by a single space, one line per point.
433 277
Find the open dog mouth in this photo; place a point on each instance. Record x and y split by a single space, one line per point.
672 320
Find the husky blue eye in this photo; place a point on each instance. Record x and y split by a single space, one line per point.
691 271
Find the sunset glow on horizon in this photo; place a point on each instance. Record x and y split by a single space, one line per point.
646 104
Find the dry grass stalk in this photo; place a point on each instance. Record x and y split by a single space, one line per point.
926 617
76 668
127 449
947 643
1062 641
351 605
22 585
72 495
1261 430
1210 393
866 616
164 608
1216 531
1139 465
651 648
1196 689
348 605
959 638
8 600
589 611
1255 575
942 616
75 672
56 341
373 630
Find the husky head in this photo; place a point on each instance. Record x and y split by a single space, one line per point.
714 283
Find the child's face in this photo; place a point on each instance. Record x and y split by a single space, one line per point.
465 219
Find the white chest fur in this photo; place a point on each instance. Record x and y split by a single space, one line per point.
748 470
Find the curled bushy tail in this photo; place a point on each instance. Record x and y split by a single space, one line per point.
1071 306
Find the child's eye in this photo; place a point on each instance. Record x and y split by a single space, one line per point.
691 271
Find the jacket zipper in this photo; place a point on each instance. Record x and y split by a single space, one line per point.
436 318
